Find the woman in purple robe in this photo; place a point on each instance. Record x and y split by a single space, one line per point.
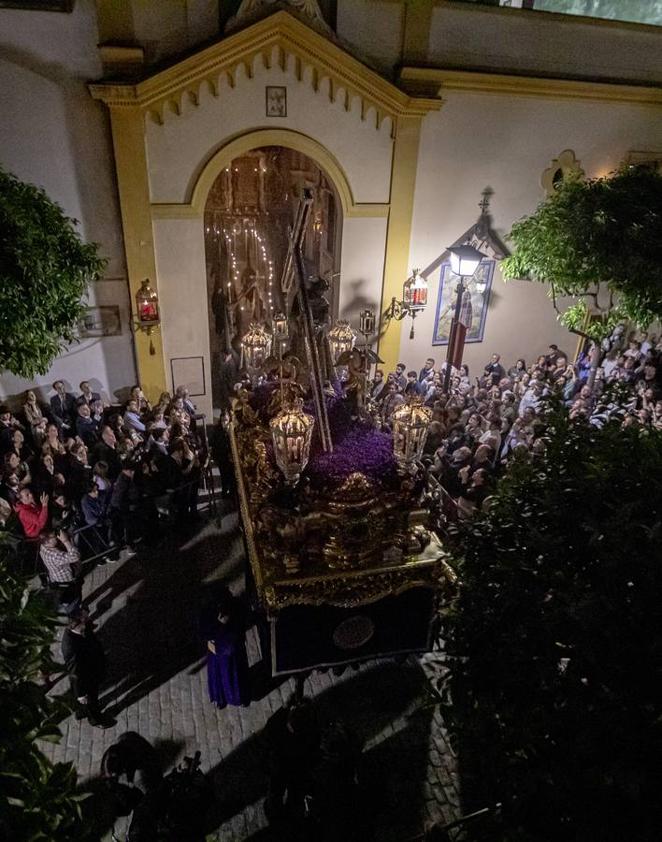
227 661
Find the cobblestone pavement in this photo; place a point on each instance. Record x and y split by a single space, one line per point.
147 610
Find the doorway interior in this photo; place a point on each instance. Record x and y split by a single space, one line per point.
248 218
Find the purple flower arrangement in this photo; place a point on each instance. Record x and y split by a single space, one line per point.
357 446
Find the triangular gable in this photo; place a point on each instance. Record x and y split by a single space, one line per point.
281 38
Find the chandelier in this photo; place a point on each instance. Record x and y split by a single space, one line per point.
410 429
291 433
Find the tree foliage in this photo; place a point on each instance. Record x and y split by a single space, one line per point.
596 235
38 799
45 269
554 645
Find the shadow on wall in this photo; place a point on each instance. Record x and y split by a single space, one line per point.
55 92
99 212
355 300
45 392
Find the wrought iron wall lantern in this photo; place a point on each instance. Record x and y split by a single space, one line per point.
147 311
414 300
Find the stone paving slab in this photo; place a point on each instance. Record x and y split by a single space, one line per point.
147 611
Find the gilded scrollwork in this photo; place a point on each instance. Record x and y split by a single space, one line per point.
347 546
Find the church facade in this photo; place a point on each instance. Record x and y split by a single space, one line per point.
182 150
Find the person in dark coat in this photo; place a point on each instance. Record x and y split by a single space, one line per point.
106 451
335 804
121 508
227 661
63 407
133 758
85 661
87 427
222 454
494 371
293 740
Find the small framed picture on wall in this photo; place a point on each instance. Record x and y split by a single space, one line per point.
276 96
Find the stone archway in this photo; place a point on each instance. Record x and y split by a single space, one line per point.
248 214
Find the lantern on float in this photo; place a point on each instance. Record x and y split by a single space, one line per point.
415 292
280 330
291 433
255 346
279 325
341 338
410 429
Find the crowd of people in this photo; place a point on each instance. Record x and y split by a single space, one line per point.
480 423
78 476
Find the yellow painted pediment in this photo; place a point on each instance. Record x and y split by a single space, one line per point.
276 38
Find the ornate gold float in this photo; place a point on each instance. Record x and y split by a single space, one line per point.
342 563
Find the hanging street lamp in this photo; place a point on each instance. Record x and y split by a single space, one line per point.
464 260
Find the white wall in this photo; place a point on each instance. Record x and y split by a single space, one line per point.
182 274
361 266
506 142
178 149
54 135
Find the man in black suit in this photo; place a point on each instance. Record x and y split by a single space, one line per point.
84 660
87 396
63 407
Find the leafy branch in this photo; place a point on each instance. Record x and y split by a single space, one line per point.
45 270
593 236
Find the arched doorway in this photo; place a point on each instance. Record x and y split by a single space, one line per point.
248 215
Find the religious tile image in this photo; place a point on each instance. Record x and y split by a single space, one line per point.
276 101
476 314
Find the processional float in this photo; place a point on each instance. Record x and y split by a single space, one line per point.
342 563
